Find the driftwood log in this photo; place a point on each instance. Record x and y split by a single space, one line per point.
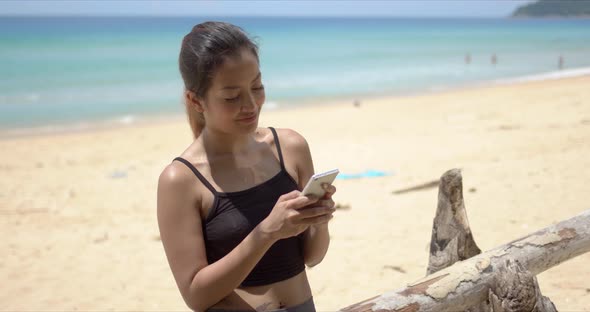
502 279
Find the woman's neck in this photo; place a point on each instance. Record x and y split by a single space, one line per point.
219 144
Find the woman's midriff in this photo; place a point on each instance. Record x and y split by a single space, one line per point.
287 293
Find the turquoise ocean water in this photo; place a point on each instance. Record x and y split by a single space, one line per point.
80 70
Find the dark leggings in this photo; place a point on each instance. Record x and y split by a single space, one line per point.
307 306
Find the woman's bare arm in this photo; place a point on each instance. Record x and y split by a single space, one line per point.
316 237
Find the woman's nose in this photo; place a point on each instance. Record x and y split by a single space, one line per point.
249 103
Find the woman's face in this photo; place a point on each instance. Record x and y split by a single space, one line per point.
233 102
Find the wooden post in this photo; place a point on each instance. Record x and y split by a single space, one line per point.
452 240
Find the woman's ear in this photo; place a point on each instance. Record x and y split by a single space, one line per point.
194 101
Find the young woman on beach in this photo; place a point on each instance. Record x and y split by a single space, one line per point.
235 228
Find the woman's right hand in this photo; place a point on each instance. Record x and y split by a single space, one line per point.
290 217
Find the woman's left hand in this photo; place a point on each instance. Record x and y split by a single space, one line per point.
330 190
326 201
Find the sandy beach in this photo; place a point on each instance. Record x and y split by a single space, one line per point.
79 229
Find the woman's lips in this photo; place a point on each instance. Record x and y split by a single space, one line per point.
248 119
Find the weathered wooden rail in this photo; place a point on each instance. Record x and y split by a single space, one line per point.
461 278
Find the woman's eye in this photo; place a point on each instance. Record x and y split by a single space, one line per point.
233 99
237 97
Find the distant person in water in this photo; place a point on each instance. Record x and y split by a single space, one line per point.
467 58
560 62
494 59
236 230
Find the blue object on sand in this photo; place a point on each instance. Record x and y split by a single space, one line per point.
366 174
118 174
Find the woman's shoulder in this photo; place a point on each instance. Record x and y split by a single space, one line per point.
177 196
174 176
291 139
295 151
180 169
177 178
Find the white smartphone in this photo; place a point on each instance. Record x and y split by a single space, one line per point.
314 185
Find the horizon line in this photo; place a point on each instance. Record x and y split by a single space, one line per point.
254 16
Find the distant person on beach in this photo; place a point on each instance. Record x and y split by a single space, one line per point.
235 228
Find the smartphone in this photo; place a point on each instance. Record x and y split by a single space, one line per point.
314 185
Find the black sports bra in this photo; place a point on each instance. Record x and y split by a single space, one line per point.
234 215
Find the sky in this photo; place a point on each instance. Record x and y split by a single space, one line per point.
397 8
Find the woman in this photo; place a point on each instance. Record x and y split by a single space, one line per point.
235 228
